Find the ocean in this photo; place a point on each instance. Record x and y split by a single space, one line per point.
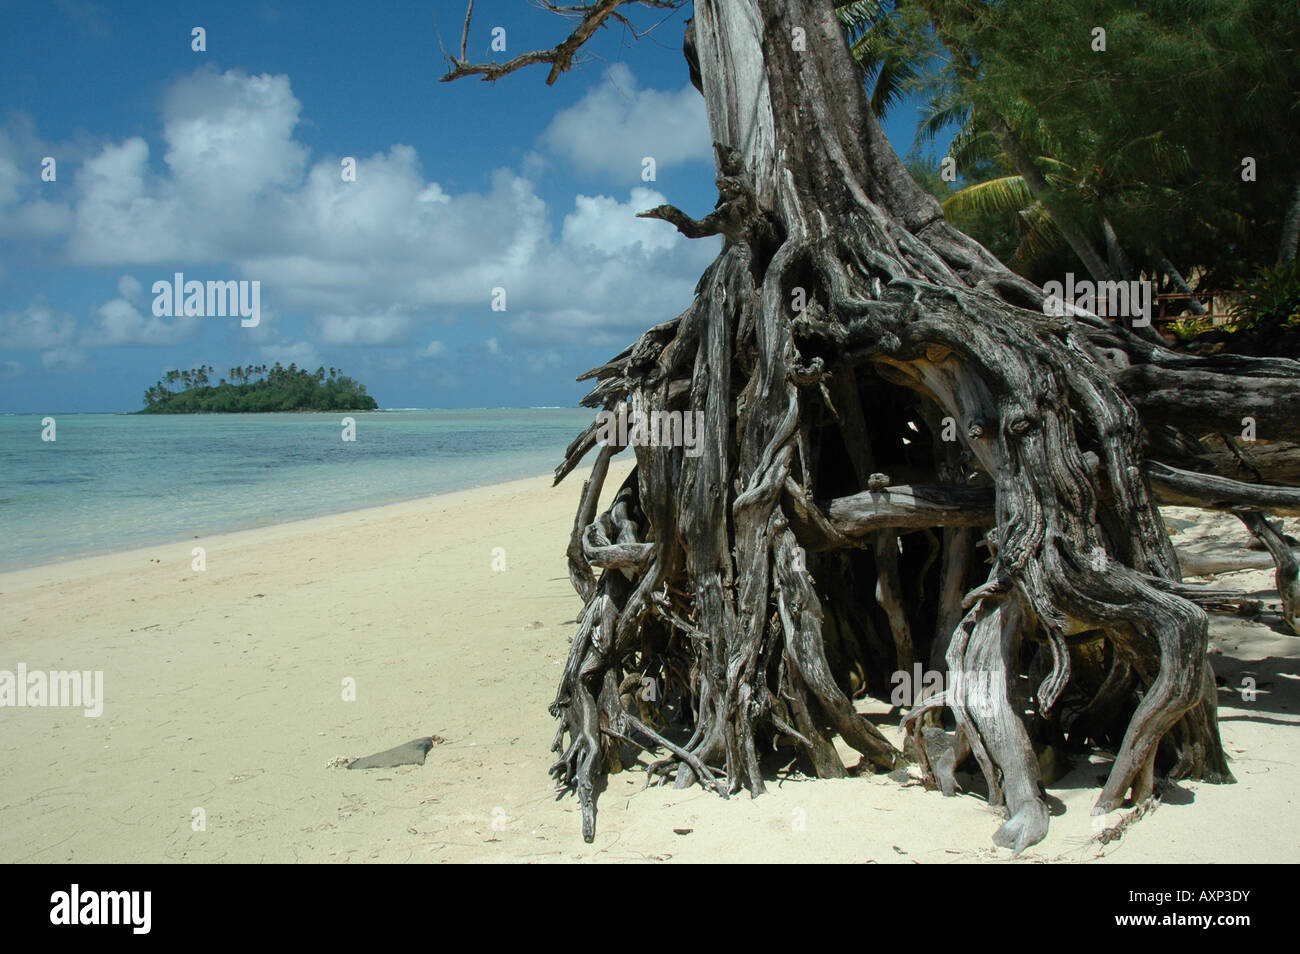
115 481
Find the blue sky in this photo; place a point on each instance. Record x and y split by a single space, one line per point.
225 164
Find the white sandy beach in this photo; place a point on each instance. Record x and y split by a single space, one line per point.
224 693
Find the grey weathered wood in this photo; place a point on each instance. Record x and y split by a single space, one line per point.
1209 563
911 507
719 570
1288 567
1175 486
982 700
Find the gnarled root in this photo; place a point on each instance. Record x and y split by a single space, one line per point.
979 664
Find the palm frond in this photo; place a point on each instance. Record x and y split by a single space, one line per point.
893 79
1039 237
858 15
1003 194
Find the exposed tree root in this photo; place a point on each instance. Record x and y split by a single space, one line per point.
1288 567
903 459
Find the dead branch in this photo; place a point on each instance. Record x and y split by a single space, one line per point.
591 17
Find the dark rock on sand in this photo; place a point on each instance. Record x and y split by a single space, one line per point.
412 753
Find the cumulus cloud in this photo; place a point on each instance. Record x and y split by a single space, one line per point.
63 359
119 219
119 322
229 160
543 361
28 205
64 344
362 329
37 219
130 289
301 353
36 327
602 222
230 135
617 124
382 259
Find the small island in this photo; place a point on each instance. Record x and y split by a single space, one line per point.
256 389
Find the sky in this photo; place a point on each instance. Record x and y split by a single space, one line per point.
228 164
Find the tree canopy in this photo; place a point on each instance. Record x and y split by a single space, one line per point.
1141 136
257 388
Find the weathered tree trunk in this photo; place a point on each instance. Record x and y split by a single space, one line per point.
868 375
1286 562
1175 276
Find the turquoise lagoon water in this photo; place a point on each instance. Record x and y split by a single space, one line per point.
111 482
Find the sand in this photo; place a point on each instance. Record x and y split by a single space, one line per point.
225 709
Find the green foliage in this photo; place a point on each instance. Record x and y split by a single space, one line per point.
1270 300
887 47
1151 132
1148 135
281 389
1185 329
972 209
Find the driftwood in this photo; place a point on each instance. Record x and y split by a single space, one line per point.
904 460
1284 558
1208 563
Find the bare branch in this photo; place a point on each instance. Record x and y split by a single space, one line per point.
464 36
593 16
691 228
1189 489
911 507
1288 567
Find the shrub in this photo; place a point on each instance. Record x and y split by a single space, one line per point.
1269 301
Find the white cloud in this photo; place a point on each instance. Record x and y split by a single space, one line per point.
230 136
115 323
130 289
378 260
63 359
118 322
601 222
28 205
362 329
301 353
542 361
230 159
435 349
37 219
117 219
37 326
616 125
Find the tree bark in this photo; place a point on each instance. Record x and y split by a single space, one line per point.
1168 267
920 387
1284 558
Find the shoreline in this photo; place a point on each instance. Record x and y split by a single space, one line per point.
376 410
228 694
225 692
119 482
61 561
